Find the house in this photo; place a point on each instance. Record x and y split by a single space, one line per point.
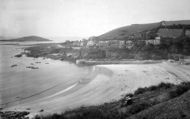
157 38
116 43
121 44
153 41
129 44
90 43
103 44
170 33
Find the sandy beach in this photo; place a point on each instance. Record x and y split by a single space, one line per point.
58 86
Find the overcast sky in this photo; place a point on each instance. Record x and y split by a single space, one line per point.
83 17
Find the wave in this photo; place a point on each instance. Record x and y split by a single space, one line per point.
63 91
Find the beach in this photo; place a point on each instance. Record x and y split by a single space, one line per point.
57 86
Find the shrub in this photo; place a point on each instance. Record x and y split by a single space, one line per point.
129 95
139 107
140 91
152 88
180 89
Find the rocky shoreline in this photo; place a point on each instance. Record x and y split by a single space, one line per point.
84 56
14 115
71 55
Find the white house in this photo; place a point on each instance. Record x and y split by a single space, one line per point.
153 41
129 44
90 43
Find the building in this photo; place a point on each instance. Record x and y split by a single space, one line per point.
153 41
170 33
129 44
122 44
90 43
103 44
158 38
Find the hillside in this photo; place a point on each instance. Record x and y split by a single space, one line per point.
123 32
27 39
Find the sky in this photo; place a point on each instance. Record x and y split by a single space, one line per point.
83 18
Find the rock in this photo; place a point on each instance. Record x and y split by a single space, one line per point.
18 55
14 115
41 110
28 109
32 67
14 65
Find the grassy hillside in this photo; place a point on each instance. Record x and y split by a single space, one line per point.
27 38
123 32
172 40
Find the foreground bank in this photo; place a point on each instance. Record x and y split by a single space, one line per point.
165 101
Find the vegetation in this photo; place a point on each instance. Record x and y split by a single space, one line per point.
152 88
179 90
143 100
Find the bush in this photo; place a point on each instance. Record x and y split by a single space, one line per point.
152 88
128 95
140 91
180 89
165 85
139 107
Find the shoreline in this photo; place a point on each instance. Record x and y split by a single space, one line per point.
120 87
57 51
124 61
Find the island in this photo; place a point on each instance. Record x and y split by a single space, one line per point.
26 39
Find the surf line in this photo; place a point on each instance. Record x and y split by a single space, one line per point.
63 91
